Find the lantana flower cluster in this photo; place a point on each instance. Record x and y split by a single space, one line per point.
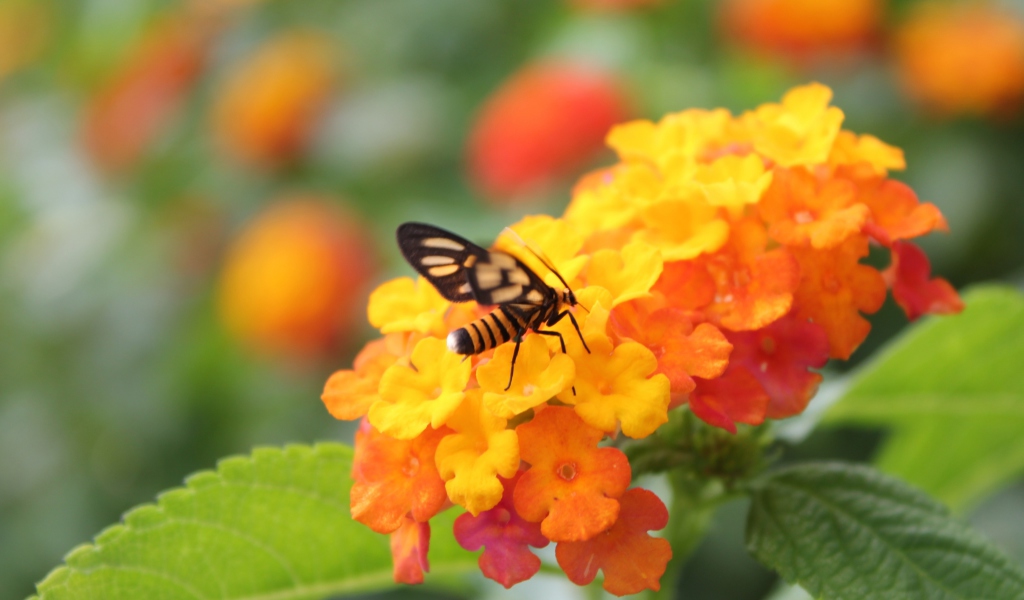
719 263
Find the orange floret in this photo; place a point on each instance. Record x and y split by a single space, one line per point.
896 213
395 478
753 287
631 560
683 350
835 289
409 545
686 284
349 393
802 209
571 486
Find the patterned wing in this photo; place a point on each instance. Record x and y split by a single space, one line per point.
442 257
500 278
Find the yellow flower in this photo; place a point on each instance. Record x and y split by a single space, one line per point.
406 305
425 393
627 274
678 139
471 459
613 385
733 181
538 377
610 199
800 131
555 239
852 149
683 229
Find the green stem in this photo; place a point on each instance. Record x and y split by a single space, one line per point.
693 506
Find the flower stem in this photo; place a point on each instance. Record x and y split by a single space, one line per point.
693 505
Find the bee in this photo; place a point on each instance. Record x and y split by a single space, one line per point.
462 271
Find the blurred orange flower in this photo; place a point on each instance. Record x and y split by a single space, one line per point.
294 280
963 59
802 29
540 125
136 104
267 107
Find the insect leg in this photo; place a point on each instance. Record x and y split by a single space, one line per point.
562 340
562 315
515 354
554 334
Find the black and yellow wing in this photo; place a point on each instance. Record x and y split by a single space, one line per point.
462 271
440 256
501 278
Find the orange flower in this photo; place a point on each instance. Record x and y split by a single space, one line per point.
631 560
803 209
803 29
965 58
541 125
683 351
835 289
395 478
349 393
267 108
292 281
572 485
134 107
753 286
896 213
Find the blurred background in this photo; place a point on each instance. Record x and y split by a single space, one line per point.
196 197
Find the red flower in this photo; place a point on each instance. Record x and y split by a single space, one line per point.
779 357
132 109
735 397
542 124
409 545
505 537
914 291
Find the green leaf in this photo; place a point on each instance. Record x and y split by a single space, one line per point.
849 532
275 525
952 390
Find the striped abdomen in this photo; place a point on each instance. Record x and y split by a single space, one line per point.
488 331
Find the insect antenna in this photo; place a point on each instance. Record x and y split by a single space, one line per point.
547 262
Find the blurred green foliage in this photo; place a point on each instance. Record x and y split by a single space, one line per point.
117 378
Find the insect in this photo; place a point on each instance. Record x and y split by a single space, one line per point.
462 271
